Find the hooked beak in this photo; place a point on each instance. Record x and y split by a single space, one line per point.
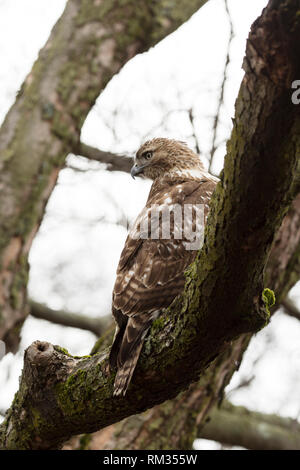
137 170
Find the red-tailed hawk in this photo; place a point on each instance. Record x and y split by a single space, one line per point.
151 269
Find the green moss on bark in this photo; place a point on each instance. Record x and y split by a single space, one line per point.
268 297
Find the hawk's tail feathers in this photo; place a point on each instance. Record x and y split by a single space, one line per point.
124 373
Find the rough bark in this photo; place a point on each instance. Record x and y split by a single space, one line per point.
236 425
88 45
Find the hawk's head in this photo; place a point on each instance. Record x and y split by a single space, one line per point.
159 156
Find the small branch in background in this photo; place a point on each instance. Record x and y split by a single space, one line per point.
113 161
61 317
194 134
162 123
238 426
214 145
244 383
291 308
247 379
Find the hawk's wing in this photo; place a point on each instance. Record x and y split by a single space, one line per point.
150 271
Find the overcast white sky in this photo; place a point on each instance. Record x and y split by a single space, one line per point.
74 257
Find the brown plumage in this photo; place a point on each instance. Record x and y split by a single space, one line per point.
150 273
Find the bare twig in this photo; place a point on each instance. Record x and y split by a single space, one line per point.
214 144
194 133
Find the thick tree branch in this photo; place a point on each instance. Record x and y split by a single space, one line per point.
228 424
236 425
60 395
175 423
74 320
89 44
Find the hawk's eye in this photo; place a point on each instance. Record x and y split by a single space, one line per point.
147 155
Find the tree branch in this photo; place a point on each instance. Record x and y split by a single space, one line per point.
113 161
74 320
228 424
175 423
291 308
222 89
238 426
60 395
